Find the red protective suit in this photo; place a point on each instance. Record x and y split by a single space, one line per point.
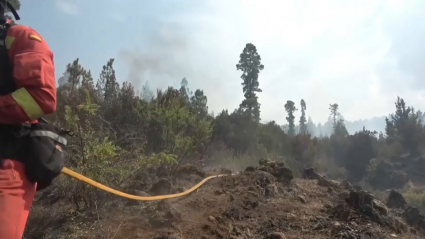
33 70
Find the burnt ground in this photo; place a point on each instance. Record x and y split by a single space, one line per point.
252 204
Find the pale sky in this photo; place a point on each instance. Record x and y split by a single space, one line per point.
360 54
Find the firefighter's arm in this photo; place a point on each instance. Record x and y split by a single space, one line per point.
34 74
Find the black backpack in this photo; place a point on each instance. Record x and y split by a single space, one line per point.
7 83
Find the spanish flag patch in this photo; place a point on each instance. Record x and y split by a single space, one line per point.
35 37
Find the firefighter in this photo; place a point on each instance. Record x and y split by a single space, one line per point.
30 62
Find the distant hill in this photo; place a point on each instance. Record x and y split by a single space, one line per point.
322 130
375 123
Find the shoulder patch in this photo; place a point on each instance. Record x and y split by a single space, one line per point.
35 37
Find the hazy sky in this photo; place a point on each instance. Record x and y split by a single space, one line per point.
359 54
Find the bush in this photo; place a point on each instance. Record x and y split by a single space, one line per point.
415 198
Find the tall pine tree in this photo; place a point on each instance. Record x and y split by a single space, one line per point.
290 109
338 124
334 113
303 125
250 65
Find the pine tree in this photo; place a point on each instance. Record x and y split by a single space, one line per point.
87 81
334 113
405 126
184 89
107 85
199 103
311 127
337 121
303 126
290 109
250 65
75 72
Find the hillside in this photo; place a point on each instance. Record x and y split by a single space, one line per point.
251 204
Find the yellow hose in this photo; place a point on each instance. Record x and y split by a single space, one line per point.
93 183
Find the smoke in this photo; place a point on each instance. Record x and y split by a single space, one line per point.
188 48
161 61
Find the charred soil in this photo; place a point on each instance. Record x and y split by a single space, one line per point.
258 203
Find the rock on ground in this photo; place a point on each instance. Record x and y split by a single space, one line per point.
275 235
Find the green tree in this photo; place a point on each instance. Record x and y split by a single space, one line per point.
250 65
290 109
180 131
199 103
334 113
338 138
340 128
303 125
87 81
311 127
107 93
359 153
107 82
405 127
390 129
184 89
236 131
338 124
272 137
75 73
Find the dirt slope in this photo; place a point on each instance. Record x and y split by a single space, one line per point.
252 204
244 206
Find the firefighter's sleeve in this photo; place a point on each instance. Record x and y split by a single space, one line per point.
33 71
